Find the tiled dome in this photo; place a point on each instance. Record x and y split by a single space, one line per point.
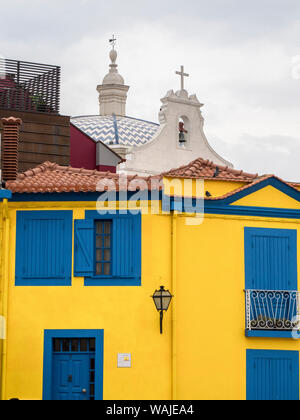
113 130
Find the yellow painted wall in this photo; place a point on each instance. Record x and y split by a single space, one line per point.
269 197
210 308
198 187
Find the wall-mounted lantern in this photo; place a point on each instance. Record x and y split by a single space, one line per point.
162 299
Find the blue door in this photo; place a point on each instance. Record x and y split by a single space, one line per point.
272 375
73 369
71 377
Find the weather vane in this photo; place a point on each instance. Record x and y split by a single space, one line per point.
113 41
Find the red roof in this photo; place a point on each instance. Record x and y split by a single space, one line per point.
50 178
206 169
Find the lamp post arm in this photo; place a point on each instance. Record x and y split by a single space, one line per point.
161 321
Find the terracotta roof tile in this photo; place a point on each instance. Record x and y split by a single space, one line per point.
206 169
50 178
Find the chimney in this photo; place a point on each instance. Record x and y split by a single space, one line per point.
10 142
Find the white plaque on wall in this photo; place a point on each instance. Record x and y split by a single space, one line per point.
124 360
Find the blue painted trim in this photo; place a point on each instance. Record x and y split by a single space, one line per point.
48 352
20 278
269 334
73 196
5 194
274 182
271 354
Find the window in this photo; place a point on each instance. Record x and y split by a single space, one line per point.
103 231
44 248
108 249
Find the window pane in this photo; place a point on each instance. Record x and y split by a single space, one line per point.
92 344
92 376
99 242
99 227
75 344
107 227
99 255
106 269
106 241
92 390
83 344
106 255
92 364
99 269
56 345
66 345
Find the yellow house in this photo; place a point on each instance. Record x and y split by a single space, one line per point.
83 252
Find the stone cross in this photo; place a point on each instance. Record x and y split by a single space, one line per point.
182 74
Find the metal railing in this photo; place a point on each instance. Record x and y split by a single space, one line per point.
29 86
272 309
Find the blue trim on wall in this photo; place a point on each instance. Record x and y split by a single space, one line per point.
222 207
5 194
73 196
48 353
274 182
269 334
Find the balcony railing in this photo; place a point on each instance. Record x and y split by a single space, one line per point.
29 86
272 310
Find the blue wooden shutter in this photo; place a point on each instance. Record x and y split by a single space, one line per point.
272 375
271 259
127 246
44 248
84 247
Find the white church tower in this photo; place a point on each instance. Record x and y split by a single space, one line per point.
148 148
179 140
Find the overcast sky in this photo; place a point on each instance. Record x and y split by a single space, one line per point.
243 58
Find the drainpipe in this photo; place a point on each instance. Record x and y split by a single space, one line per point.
174 284
5 275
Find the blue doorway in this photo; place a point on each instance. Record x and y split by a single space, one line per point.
73 365
272 375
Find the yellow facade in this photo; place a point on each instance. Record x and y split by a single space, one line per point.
202 352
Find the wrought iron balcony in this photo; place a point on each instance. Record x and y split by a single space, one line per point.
29 86
272 310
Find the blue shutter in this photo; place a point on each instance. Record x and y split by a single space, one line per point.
44 248
271 259
84 248
272 375
127 246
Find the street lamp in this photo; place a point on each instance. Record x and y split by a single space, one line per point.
162 299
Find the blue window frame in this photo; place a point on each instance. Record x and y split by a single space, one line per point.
44 248
271 281
107 249
84 350
272 375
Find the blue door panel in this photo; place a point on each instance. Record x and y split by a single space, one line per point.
70 377
272 375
